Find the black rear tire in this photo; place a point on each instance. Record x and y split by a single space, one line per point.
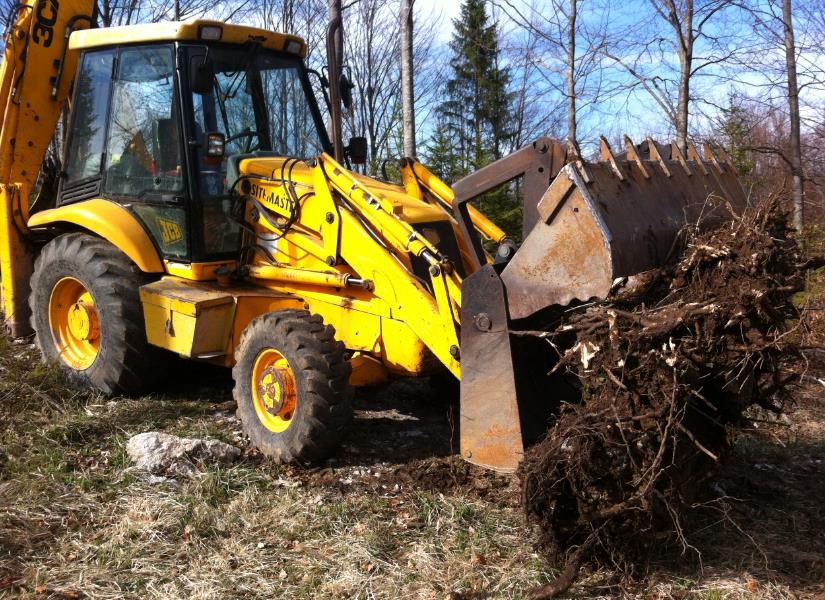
320 371
125 363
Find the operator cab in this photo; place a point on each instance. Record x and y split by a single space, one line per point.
162 114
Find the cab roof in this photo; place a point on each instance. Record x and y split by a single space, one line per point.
186 31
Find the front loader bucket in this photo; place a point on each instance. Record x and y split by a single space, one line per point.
616 218
597 222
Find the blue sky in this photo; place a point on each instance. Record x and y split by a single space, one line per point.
635 112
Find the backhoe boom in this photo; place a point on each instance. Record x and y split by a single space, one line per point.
32 96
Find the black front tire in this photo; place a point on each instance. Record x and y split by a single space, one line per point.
323 409
125 362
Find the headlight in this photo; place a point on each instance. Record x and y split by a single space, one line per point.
212 33
293 46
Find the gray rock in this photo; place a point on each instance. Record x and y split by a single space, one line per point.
164 454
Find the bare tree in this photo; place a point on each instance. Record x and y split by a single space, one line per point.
373 48
793 111
304 18
562 53
696 40
571 70
407 77
115 13
784 63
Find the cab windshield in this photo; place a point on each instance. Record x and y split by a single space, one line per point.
260 101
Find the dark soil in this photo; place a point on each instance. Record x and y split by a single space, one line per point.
404 438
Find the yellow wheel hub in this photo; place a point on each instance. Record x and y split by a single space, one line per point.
74 323
273 390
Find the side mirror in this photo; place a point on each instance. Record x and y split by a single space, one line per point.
202 76
357 150
346 86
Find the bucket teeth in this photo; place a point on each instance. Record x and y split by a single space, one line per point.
711 157
608 156
574 156
721 156
693 154
633 154
651 153
677 154
655 154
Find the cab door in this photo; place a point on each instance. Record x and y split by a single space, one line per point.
125 142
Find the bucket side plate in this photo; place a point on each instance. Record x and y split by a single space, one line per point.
490 427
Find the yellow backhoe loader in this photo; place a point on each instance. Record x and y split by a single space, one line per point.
200 207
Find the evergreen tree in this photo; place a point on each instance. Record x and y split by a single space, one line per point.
442 158
477 106
735 132
474 120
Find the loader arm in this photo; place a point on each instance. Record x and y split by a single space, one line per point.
362 244
421 183
35 79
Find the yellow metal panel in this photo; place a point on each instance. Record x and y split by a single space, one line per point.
205 320
197 271
16 265
180 31
358 330
367 370
184 297
110 221
403 351
198 337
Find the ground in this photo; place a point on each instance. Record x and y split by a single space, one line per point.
395 514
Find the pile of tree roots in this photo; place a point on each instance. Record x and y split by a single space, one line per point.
666 367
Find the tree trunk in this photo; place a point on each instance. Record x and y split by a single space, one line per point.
684 34
571 72
177 10
682 111
795 154
407 77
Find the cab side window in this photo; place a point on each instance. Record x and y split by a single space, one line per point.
84 154
143 153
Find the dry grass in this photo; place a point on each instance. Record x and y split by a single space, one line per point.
76 521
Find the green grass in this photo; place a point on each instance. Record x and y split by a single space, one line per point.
74 517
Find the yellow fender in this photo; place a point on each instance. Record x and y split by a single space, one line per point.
110 221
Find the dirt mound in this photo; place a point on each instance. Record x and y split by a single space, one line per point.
448 474
665 366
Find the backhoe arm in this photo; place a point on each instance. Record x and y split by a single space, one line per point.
35 79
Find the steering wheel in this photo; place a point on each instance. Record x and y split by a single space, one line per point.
248 134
